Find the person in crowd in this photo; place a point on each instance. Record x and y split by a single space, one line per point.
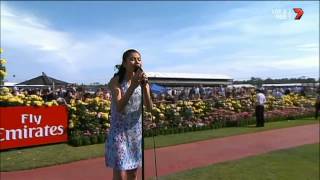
15 91
287 91
261 100
302 91
196 92
69 96
192 93
182 95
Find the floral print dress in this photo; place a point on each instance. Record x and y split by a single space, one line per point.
123 145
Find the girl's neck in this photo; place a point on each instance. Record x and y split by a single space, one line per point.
129 75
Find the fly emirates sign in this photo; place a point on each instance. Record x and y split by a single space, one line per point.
29 126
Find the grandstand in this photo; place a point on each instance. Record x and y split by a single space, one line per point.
188 79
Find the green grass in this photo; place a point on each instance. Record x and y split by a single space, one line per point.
290 164
29 158
41 156
174 139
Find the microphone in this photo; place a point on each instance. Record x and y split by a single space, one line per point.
143 81
138 68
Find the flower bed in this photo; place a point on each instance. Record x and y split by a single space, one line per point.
89 119
288 113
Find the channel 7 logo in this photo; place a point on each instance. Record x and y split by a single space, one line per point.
288 14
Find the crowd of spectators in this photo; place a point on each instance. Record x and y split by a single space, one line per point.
202 93
63 95
221 93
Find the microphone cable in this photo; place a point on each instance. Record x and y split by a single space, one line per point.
154 147
153 131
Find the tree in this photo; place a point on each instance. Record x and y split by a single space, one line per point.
258 81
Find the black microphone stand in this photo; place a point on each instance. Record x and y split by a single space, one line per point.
142 123
154 146
142 142
142 120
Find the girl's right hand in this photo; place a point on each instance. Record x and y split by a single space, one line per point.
136 79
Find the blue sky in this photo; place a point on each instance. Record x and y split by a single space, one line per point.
82 41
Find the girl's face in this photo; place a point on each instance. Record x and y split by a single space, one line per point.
132 62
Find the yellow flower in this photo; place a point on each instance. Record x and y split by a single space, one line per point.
71 125
161 116
107 124
37 103
105 116
1 50
20 102
3 61
49 104
54 103
4 90
3 73
13 99
73 102
21 95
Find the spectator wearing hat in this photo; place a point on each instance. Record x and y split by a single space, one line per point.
261 100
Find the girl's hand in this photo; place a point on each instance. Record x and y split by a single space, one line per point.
144 79
136 79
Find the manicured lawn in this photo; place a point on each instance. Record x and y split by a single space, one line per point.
290 164
41 156
174 139
28 158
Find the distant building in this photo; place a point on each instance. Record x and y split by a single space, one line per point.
44 80
288 85
188 79
241 86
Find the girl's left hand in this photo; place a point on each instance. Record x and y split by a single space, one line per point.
144 79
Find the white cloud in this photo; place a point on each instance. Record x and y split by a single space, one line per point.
244 26
257 44
232 43
61 50
246 67
29 31
281 64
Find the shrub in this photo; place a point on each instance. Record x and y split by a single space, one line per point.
75 141
101 138
85 140
94 139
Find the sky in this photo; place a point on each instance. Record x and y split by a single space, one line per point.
82 41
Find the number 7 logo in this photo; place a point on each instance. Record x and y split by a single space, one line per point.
299 13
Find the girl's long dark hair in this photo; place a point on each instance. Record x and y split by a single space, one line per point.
121 69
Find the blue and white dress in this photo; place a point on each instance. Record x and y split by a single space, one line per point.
123 145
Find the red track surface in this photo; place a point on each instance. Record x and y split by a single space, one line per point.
182 157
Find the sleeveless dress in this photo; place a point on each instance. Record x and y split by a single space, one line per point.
123 145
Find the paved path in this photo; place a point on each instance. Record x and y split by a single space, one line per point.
182 157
